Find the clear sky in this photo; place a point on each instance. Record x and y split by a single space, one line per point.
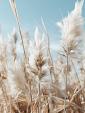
30 12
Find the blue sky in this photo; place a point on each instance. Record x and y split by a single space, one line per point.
30 12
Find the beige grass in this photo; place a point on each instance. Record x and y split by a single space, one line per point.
31 81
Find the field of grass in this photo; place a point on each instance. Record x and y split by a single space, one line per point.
31 81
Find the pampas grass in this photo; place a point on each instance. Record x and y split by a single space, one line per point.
31 81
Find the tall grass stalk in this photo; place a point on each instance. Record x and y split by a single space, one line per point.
15 12
14 9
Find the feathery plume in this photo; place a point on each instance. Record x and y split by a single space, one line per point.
71 28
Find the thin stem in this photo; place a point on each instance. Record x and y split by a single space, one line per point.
18 23
66 84
49 100
76 72
39 106
30 95
48 52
